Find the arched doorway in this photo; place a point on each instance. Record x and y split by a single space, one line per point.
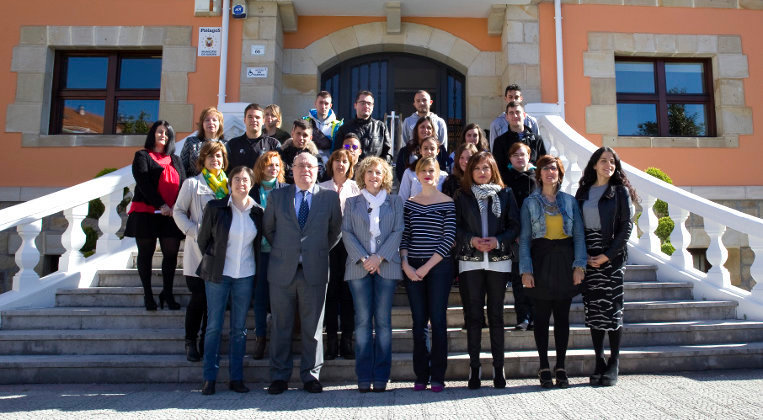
394 78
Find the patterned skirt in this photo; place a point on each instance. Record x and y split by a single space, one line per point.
603 287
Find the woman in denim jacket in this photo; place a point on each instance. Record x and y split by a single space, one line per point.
552 260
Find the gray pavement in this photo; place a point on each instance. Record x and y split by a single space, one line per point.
726 394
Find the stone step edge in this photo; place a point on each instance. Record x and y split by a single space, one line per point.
178 360
179 333
178 289
396 310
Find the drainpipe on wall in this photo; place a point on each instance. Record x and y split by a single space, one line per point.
223 56
559 56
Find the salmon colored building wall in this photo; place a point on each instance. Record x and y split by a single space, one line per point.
687 166
77 164
312 28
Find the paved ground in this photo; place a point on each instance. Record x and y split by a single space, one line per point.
729 394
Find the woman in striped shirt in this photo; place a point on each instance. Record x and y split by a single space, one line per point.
428 237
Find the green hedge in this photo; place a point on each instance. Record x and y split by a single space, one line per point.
665 224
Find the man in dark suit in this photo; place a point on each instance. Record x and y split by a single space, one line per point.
302 222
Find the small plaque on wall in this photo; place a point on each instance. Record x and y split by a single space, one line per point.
258 50
256 72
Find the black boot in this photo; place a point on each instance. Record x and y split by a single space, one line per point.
609 377
499 378
345 346
332 348
148 295
166 296
208 388
259 348
475 380
601 366
191 353
149 302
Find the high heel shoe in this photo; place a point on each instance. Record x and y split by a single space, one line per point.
475 378
499 378
191 352
601 367
170 300
149 302
609 378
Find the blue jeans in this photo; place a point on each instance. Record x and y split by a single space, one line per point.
261 296
372 298
240 292
429 302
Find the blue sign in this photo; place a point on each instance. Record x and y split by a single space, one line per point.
238 11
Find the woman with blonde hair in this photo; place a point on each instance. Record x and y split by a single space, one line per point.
196 192
371 230
425 250
268 176
272 124
209 128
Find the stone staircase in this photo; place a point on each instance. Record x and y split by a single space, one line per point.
103 335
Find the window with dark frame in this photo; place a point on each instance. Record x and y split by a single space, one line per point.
664 97
105 92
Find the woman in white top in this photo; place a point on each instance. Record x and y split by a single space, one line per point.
409 184
487 223
230 238
194 195
339 307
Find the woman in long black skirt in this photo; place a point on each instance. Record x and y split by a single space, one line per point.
605 197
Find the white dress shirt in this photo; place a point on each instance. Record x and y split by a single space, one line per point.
239 252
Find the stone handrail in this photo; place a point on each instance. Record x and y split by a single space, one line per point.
575 150
28 289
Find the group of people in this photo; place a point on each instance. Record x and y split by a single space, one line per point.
308 229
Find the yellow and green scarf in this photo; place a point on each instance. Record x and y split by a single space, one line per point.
218 184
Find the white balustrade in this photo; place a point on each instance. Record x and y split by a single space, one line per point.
717 254
756 269
27 256
73 238
110 222
680 237
574 172
647 222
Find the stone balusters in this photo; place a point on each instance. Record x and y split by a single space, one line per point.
680 238
717 254
110 223
756 269
27 256
647 222
73 238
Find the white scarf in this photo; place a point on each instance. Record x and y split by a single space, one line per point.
483 192
374 203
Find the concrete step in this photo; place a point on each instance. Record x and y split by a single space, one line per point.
171 341
142 368
129 276
134 317
647 311
133 295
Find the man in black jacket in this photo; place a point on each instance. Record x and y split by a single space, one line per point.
246 148
518 131
374 138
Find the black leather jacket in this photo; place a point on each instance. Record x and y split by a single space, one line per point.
374 137
615 214
213 237
469 225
